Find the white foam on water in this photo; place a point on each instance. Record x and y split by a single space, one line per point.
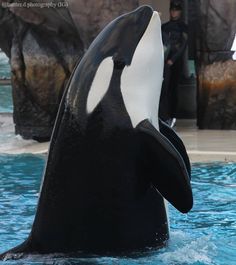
3 58
15 144
184 249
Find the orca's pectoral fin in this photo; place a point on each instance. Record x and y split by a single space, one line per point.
171 135
166 166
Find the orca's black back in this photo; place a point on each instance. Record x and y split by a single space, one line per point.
97 195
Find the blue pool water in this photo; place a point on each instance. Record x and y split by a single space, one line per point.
6 104
4 66
206 236
5 91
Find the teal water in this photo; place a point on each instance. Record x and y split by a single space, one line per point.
4 66
205 236
5 91
6 104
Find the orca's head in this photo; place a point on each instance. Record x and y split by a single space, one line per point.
133 44
120 38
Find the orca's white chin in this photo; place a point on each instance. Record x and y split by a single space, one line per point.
141 81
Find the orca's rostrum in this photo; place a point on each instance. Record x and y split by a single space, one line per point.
112 162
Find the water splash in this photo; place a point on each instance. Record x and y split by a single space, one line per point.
188 250
15 144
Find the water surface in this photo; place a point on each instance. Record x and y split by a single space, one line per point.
205 236
5 71
5 91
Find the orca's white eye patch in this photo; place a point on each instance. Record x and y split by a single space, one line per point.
100 84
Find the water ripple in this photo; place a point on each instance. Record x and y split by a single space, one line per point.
205 236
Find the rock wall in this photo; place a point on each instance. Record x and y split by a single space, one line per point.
216 69
43 44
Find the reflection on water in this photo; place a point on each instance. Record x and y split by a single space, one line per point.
206 236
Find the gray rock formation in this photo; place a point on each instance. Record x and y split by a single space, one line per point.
216 69
43 44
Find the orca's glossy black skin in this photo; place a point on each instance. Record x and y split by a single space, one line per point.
99 192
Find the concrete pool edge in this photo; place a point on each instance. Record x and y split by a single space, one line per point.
34 149
194 155
209 145
202 145
197 156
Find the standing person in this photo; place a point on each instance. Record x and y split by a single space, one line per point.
175 36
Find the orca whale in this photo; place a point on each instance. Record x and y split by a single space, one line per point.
112 163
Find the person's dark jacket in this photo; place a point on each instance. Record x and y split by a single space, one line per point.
175 37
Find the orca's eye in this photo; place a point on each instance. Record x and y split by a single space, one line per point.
119 64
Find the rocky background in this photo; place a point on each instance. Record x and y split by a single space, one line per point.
43 44
216 69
